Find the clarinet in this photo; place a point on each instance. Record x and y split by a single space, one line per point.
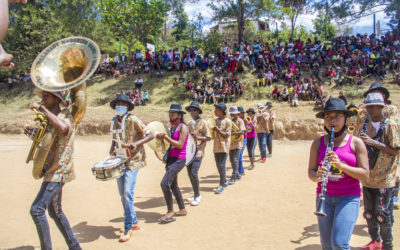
322 196
364 128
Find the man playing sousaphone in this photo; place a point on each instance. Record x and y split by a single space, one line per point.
57 170
198 128
129 134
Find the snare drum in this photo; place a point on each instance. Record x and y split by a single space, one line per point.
109 169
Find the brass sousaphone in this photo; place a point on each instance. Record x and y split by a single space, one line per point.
64 65
159 147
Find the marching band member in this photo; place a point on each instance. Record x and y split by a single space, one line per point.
348 159
383 143
58 169
129 134
236 146
222 143
246 124
251 137
271 127
262 131
175 162
198 128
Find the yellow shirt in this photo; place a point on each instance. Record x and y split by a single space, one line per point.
222 145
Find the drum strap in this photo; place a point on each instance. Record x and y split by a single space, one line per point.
120 131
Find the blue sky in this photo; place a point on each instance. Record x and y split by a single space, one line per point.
363 25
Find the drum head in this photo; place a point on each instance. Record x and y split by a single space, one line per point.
191 150
156 144
109 163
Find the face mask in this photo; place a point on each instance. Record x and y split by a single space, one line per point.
121 110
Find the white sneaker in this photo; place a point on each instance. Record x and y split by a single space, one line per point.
190 199
196 201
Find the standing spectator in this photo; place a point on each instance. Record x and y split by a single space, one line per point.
341 96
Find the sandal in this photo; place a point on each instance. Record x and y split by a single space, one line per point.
165 220
180 213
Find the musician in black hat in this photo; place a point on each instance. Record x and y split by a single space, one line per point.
347 163
198 128
222 143
176 161
251 136
129 134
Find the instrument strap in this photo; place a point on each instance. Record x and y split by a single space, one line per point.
120 131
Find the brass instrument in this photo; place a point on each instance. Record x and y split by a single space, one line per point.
249 121
212 124
352 120
64 65
235 138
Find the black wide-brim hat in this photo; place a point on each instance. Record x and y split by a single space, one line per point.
176 108
122 98
221 106
194 105
335 104
377 86
251 110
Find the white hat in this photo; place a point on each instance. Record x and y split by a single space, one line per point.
374 99
234 110
260 106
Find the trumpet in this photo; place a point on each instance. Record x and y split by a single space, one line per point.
352 121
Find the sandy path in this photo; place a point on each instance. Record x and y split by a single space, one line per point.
270 208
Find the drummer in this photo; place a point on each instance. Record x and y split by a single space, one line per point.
198 128
175 162
129 134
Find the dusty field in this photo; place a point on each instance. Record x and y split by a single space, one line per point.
270 208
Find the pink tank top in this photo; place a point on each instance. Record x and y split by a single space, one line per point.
339 183
252 132
175 152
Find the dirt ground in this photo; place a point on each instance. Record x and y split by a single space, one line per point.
270 208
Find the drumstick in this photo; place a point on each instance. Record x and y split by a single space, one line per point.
122 144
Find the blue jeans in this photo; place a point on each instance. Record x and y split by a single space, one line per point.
337 226
262 143
270 137
50 196
126 187
241 169
220 160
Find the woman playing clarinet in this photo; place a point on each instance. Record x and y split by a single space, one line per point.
337 165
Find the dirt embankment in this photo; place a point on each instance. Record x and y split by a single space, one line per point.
284 129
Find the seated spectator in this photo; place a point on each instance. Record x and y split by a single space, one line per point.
182 79
241 89
209 95
175 82
188 85
269 76
146 97
260 79
284 95
341 96
295 100
276 93
139 82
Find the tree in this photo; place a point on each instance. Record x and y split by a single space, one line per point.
292 9
135 19
240 10
323 26
181 25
